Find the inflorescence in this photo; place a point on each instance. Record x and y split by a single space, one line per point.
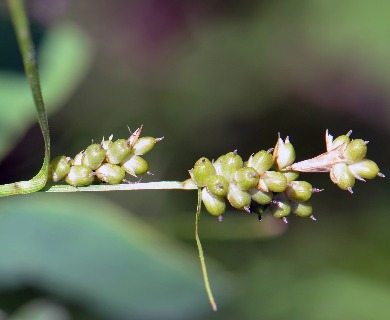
267 182
107 162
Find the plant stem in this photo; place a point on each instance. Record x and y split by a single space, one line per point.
23 35
160 185
201 255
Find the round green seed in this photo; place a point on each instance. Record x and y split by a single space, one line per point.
203 170
215 205
144 145
246 178
135 165
340 140
218 185
342 176
261 197
80 175
117 151
280 207
110 173
230 163
94 156
275 181
302 209
238 198
59 167
356 150
261 161
364 169
291 175
218 165
299 190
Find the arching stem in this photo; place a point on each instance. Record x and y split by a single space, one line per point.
201 256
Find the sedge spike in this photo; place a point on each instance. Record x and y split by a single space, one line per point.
270 180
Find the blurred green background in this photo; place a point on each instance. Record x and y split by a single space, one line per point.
211 77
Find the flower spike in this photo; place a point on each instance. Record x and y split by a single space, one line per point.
108 161
269 181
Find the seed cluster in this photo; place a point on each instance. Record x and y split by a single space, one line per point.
344 160
268 180
356 166
106 162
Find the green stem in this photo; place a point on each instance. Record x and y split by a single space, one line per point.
201 255
160 185
23 35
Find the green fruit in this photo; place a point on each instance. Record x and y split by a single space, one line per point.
302 209
246 178
238 198
215 205
261 161
280 207
110 173
261 197
218 185
135 165
356 150
291 175
275 181
94 156
203 170
341 140
342 176
299 190
144 145
364 169
117 151
59 167
218 164
80 175
230 163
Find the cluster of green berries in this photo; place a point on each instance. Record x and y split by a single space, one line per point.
344 160
256 185
355 166
268 180
107 162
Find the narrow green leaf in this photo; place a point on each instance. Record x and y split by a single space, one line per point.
23 34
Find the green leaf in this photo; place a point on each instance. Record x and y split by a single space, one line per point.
331 294
23 35
16 118
93 253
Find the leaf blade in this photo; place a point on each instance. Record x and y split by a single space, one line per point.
23 34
